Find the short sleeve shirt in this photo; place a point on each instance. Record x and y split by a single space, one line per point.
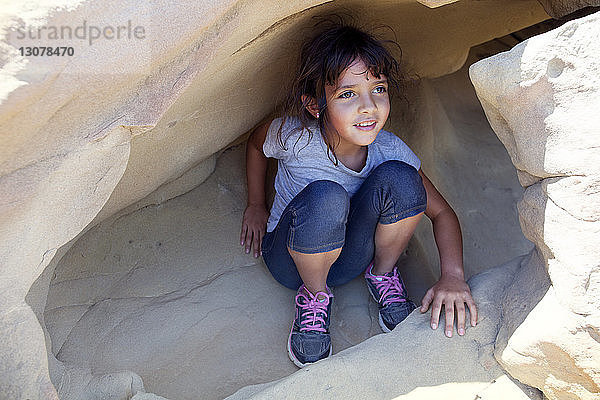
306 160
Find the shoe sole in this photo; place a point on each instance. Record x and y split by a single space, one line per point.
294 359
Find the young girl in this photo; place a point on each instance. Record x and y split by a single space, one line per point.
349 195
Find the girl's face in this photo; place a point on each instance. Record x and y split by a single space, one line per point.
358 107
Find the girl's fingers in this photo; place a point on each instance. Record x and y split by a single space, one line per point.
243 234
436 309
472 310
449 318
256 243
426 301
460 317
449 301
260 238
248 241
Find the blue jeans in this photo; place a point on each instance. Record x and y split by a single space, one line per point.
323 217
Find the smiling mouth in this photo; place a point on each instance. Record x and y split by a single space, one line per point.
366 124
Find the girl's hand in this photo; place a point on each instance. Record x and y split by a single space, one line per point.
254 226
450 292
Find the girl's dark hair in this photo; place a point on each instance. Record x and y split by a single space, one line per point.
323 59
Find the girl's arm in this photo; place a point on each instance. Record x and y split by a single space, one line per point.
254 223
451 290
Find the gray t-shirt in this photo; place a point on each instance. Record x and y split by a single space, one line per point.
299 165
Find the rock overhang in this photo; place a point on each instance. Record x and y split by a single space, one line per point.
166 125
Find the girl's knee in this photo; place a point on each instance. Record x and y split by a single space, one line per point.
402 177
327 188
398 172
329 199
394 168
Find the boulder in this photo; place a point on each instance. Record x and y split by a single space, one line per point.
539 98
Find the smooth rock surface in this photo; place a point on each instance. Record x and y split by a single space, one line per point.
560 8
539 99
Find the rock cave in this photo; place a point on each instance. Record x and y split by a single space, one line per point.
123 187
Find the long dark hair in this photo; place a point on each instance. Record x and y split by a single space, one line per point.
323 59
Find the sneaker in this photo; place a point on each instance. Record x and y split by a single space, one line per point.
309 339
390 294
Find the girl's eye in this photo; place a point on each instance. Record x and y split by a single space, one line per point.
346 95
380 89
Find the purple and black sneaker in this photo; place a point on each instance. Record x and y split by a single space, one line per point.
389 293
309 339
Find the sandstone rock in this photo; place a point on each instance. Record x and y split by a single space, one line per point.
86 137
554 8
538 98
147 396
560 8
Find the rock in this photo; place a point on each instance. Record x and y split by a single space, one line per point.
84 138
147 396
538 98
80 383
560 8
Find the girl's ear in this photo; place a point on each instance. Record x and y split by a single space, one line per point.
311 106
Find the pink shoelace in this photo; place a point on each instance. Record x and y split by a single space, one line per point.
313 311
389 287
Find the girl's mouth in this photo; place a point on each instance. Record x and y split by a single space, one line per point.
366 125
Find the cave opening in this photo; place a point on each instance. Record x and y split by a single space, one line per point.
165 295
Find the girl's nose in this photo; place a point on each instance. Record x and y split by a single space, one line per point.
367 104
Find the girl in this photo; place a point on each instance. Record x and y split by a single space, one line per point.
349 195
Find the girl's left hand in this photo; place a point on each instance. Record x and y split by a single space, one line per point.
451 292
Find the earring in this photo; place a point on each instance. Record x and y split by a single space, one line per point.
317 115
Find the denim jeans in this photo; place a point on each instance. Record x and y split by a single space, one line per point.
323 217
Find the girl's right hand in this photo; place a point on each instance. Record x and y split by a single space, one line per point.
254 226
